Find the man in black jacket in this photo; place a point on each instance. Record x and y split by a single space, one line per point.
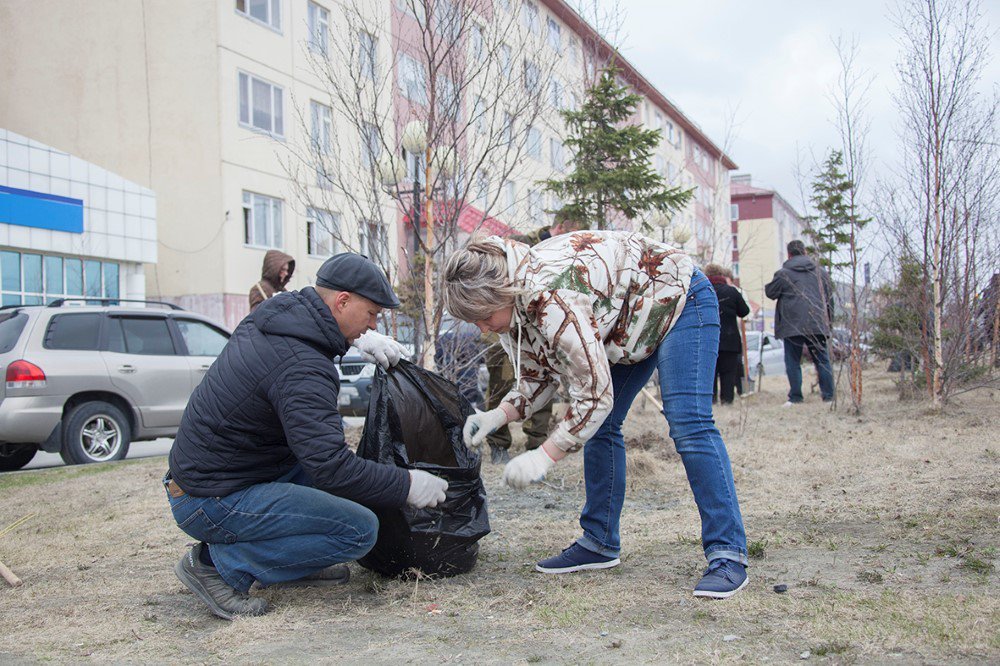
260 473
804 293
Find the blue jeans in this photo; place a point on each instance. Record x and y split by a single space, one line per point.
686 361
793 365
276 532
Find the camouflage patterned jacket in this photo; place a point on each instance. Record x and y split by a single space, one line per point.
589 299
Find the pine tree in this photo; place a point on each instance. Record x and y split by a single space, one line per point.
612 175
830 229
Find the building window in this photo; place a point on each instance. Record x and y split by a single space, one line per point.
482 190
319 28
556 91
510 196
734 212
449 103
736 242
371 145
412 79
558 161
555 35
536 206
373 242
367 54
574 51
476 43
261 220
506 59
35 279
534 143
322 127
479 114
529 16
670 133
507 131
267 12
532 76
261 105
322 231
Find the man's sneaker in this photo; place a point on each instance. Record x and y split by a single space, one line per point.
576 558
722 579
499 456
338 574
789 403
206 583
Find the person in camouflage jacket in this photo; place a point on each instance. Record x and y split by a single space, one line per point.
600 311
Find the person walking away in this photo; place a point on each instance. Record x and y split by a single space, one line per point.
803 317
501 373
600 311
260 473
731 308
275 273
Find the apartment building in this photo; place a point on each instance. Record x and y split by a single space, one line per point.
219 106
762 224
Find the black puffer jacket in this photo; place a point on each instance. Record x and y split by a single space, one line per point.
805 298
270 401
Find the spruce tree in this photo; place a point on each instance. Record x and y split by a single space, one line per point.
830 229
612 174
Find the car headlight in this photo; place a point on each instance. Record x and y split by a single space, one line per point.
367 371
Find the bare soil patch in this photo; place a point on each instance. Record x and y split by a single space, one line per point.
884 528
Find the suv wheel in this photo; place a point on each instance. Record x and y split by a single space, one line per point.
95 432
16 456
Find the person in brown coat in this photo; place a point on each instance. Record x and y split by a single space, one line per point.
274 275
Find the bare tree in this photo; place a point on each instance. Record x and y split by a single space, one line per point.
949 139
432 106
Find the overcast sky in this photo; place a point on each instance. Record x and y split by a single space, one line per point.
774 62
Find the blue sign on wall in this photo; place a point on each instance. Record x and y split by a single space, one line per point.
42 211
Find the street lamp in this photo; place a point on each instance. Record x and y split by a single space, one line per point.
663 222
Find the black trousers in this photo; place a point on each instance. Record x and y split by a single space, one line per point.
727 372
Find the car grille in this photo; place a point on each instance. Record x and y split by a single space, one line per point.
351 368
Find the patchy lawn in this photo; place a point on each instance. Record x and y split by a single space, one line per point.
884 529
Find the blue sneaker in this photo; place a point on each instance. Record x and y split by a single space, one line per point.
722 579
576 558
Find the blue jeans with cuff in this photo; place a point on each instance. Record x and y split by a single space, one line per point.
686 363
276 532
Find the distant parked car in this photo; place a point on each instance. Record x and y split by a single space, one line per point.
765 352
355 384
87 380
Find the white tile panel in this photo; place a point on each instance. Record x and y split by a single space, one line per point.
133 249
19 179
38 160
132 187
115 182
96 175
38 182
148 251
4 234
41 239
19 236
116 224
98 197
17 157
97 221
59 187
148 229
79 190
3 175
116 247
77 169
3 152
62 242
14 137
97 244
116 201
133 204
59 165
133 226
148 206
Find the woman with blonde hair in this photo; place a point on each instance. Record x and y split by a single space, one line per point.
599 311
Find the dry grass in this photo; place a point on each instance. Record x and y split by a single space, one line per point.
884 527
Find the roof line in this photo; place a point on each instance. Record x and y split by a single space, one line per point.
570 16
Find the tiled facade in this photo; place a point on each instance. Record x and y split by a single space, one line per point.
105 257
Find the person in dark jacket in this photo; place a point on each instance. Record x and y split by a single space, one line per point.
260 473
458 353
275 273
804 293
731 308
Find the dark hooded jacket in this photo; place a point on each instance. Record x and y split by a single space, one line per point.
270 277
731 308
804 293
270 401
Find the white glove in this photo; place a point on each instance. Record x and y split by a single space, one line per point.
529 467
426 490
482 424
377 348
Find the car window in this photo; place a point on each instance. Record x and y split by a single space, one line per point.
77 331
200 338
11 325
142 335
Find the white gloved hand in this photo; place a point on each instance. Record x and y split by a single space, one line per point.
377 348
482 424
426 490
529 467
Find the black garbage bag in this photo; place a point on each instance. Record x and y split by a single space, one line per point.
415 420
